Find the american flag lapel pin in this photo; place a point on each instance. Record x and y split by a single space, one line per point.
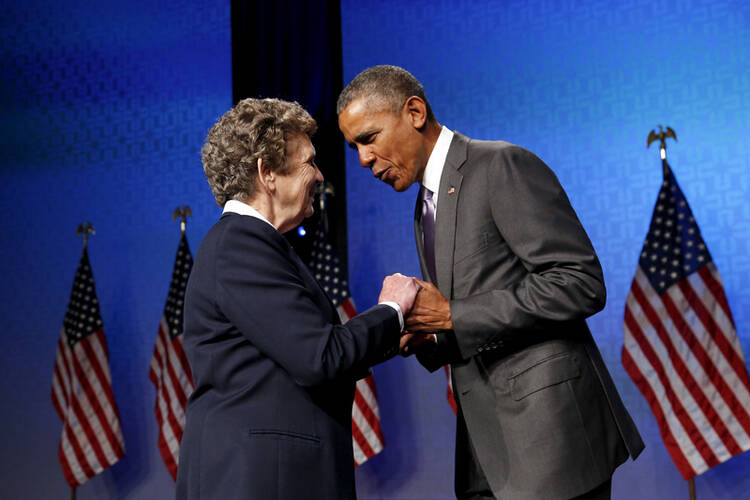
451 190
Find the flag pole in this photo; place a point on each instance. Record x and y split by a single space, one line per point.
73 493
662 137
182 212
324 190
691 487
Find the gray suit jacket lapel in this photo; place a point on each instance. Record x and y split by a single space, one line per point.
445 226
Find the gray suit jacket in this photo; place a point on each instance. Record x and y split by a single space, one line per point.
542 413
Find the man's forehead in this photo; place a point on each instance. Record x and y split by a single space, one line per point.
368 104
362 114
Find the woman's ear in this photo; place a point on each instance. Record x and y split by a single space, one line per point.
266 176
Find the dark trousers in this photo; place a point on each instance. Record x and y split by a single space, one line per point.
471 484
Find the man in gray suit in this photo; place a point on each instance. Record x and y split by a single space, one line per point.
512 277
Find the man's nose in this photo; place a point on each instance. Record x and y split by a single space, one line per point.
366 158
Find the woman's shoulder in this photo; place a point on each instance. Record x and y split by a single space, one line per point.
235 232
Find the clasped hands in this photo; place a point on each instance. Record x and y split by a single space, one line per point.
426 311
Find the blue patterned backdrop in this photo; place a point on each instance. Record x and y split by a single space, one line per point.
580 84
104 108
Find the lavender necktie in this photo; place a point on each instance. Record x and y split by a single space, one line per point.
428 230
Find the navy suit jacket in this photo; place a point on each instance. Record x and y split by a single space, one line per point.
274 372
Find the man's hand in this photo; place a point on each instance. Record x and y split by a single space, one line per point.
411 343
431 312
401 290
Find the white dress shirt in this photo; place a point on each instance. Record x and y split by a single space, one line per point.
433 171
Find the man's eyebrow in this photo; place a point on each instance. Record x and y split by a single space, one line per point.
362 136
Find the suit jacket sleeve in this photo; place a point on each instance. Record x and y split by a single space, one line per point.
563 278
261 292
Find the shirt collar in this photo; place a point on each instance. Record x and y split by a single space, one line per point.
238 207
434 169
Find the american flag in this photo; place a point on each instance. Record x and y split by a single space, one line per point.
681 347
170 371
367 436
82 394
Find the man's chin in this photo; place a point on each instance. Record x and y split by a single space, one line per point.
400 187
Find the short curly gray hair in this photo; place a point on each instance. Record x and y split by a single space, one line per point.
254 128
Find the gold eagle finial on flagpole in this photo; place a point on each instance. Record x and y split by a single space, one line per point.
182 212
662 137
85 229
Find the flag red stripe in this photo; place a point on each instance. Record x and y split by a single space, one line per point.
99 369
64 463
57 381
714 286
81 460
84 421
734 359
170 392
156 359
180 352
715 331
57 406
68 435
369 415
370 381
449 391
362 441
175 382
708 366
167 456
62 370
669 440
94 401
349 309
171 420
692 431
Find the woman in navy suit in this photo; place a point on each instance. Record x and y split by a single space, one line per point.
274 370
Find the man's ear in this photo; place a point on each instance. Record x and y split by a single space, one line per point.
266 176
416 110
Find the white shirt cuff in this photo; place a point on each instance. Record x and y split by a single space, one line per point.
398 310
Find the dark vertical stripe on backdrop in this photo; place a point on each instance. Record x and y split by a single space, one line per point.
291 49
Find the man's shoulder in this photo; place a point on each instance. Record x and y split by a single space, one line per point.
482 147
496 151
